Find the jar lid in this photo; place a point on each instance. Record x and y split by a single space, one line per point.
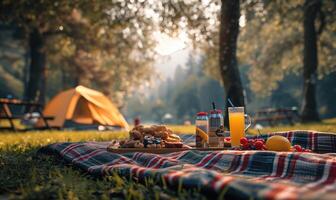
216 111
202 114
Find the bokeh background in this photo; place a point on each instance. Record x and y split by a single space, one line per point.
159 60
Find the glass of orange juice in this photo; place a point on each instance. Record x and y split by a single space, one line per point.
237 124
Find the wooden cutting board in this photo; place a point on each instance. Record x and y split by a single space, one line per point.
160 150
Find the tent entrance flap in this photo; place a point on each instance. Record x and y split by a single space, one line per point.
82 112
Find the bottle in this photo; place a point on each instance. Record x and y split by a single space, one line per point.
202 126
215 122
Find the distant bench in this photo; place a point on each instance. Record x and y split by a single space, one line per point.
274 116
7 114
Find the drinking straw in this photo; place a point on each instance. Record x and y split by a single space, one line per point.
230 102
213 105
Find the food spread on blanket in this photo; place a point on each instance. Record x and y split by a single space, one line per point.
155 136
210 133
210 129
273 143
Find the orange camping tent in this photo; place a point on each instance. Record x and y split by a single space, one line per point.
82 105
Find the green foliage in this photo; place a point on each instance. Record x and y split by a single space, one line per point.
272 42
100 44
107 45
186 99
10 84
189 92
288 93
326 95
11 63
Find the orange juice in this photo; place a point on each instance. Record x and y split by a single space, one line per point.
237 125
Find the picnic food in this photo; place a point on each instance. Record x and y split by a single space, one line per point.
155 136
252 144
132 144
298 148
278 143
259 144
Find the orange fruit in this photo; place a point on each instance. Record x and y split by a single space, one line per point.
278 143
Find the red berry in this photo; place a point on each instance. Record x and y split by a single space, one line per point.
244 141
227 139
264 147
246 146
298 148
259 145
261 140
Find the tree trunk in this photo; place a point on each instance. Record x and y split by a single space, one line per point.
310 62
43 82
26 71
229 30
37 70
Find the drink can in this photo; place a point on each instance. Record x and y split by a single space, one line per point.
215 122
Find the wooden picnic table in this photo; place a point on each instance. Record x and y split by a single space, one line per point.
273 116
6 113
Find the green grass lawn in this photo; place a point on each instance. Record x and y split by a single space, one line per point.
328 125
24 175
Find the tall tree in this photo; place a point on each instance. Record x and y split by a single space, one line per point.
37 67
228 35
304 43
214 27
38 20
310 60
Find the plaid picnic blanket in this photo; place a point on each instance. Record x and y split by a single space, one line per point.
230 174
